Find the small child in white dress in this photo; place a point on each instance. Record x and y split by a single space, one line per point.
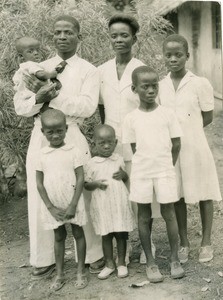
29 52
110 207
60 180
154 134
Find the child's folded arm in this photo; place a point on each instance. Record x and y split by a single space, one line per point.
97 184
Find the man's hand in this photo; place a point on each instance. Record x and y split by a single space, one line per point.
70 212
57 213
120 175
46 93
33 83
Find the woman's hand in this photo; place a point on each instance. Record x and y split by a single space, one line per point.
120 175
33 83
46 93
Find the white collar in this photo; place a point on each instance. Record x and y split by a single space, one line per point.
70 61
99 159
49 149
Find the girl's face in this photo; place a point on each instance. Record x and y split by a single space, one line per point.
105 143
121 37
55 133
175 56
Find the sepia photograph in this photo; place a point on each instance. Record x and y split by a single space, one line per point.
111 150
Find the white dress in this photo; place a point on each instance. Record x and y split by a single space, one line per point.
78 99
195 167
110 209
58 166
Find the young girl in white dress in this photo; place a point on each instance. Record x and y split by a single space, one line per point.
110 207
60 180
192 99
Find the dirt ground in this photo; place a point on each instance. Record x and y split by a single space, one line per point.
202 281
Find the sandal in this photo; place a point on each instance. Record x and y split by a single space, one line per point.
81 281
58 284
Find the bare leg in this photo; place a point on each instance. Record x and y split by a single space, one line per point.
108 250
169 216
181 214
78 234
59 249
144 220
121 238
206 212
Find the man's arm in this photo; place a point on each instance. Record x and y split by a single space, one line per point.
85 103
176 145
26 102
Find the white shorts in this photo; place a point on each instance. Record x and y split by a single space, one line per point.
165 189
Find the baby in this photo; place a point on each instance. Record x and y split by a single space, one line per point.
29 52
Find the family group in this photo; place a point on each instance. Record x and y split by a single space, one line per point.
149 148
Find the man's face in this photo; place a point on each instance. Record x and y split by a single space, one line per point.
66 38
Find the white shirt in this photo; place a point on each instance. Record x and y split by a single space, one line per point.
25 68
193 95
78 97
152 132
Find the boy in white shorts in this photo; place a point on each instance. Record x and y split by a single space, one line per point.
154 134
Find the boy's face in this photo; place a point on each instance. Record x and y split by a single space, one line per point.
31 51
105 143
55 133
146 87
121 37
66 38
175 56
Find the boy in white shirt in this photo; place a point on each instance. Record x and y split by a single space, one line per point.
154 134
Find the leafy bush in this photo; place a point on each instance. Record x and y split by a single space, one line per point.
34 18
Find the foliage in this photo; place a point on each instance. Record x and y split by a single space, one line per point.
34 18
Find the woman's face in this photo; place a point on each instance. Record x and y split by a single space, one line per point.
121 37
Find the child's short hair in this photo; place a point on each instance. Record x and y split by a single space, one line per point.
52 115
141 70
176 38
103 127
123 18
20 42
69 19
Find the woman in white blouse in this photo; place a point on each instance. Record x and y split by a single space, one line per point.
116 96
